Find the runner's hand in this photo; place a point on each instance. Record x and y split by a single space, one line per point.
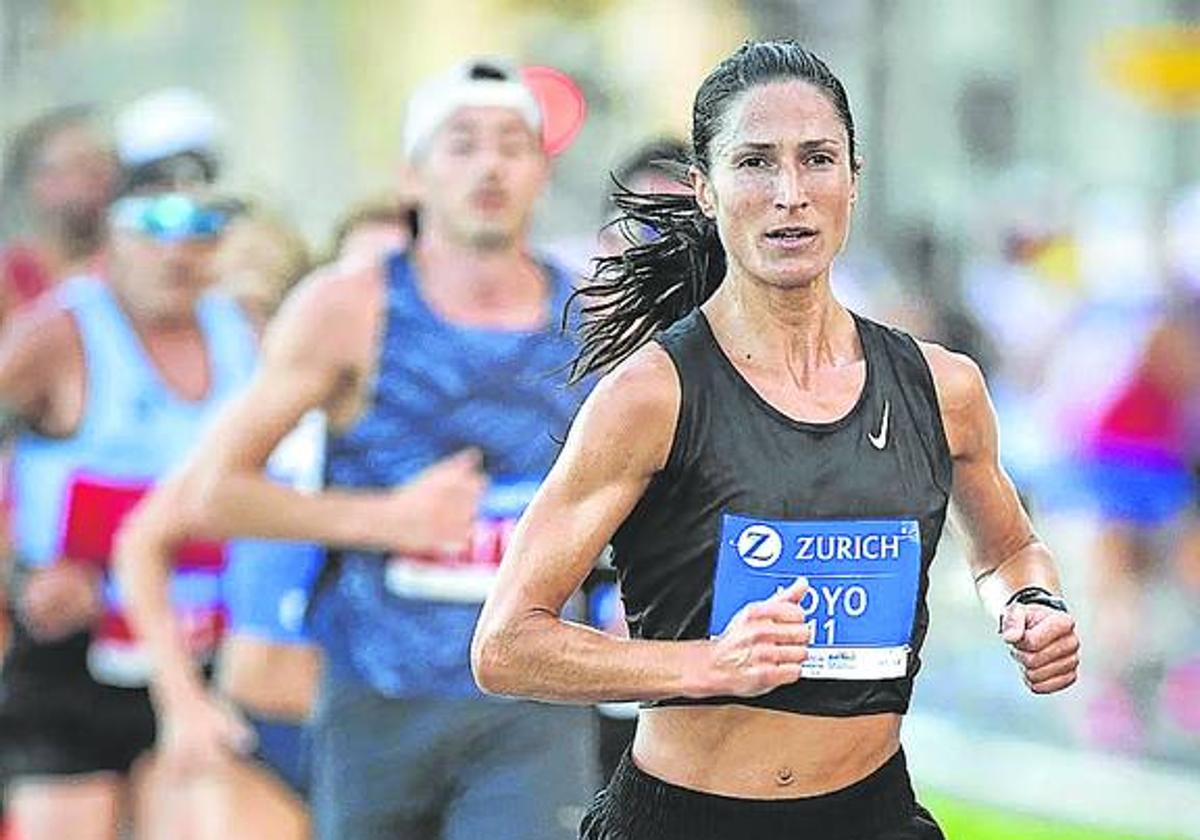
763 646
59 600
1044 643
436 510
200 732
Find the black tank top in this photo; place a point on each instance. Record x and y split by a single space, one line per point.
750 499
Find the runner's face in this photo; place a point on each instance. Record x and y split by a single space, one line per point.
481 176
781 185
162 280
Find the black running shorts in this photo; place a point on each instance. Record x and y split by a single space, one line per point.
637 806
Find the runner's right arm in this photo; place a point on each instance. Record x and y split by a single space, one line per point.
316 355
42 388
35 347
524 647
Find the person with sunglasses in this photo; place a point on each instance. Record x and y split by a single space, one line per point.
433 366
103 388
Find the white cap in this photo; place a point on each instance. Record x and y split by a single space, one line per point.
476 83
167 122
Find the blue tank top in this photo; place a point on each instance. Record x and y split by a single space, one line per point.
70 493
404 624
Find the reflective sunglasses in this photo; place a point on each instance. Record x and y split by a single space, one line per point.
170 217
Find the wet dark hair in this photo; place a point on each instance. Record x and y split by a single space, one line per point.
195 166
652 285
665 156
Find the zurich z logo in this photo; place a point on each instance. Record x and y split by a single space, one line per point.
759 546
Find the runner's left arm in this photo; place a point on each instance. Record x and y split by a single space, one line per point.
194 728
1007 558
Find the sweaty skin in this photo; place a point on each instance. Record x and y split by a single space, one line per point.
522 647
781 163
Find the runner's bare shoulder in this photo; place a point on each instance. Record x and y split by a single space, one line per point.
333 313
38 346
637 404
961 392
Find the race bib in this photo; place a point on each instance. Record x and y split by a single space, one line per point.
863 578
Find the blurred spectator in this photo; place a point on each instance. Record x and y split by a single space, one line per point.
369 230
1141 473
1021 285
59 175
258 262
1140 457
107 381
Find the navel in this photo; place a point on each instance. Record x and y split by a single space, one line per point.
784 776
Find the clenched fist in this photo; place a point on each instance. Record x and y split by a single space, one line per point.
436 510
1043 641
763 646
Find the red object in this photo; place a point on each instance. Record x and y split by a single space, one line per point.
564 107
96 507
23 273
201 627
1144 414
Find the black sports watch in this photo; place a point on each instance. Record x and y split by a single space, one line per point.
1038 595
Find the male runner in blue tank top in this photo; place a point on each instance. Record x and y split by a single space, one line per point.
775 509
103 387
433 367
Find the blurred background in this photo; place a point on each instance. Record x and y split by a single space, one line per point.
1030 195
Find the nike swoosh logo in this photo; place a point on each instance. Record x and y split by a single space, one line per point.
879 441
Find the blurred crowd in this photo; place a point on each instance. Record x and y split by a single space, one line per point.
135 289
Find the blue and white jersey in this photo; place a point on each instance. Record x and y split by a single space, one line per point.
70 494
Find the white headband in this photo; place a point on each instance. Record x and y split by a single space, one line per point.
472 84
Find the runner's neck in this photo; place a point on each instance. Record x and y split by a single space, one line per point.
500 286
805 328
